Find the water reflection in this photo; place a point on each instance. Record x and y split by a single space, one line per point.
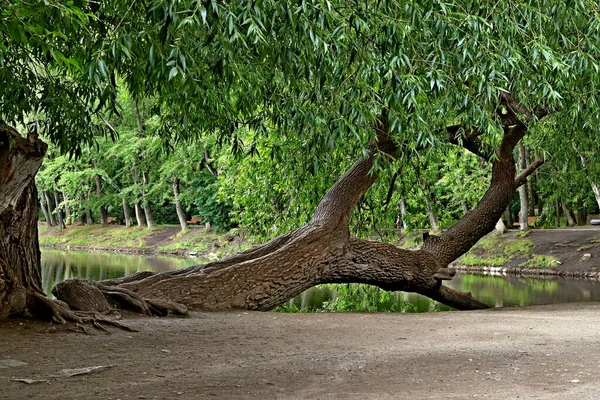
493 290
508 291
60 265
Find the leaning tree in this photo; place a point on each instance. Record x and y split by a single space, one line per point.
382 78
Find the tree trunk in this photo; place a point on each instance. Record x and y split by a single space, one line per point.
127 214
45 209
67 209
139 215
323 250
50 205
401 218
557 208
103 212
568 214
178 206
523 213
146 202
508 216
20 267
596 190
433 221
89 217
60 218
581 213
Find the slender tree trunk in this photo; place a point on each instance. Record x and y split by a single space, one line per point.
568 214
127 214
139 215
523 213
508 216
433 221
146 202
45 209
178 206
59 214
89 216
596 190
103 212
67 209
557 208
581 213
401 218
50 205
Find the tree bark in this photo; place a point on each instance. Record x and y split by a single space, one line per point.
523 213
127 214
178 206
20 268
103 212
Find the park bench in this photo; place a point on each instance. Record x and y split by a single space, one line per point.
195 220
110 220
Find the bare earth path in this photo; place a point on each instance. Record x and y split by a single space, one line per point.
544 352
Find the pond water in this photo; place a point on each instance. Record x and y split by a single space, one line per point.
493 290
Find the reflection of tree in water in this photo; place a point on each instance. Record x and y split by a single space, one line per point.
60 265
513 291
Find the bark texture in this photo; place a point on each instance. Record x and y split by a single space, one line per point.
324 252
20 278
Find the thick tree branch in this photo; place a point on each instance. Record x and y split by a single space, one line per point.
522 178
469 141
457 240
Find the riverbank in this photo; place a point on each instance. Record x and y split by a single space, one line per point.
570 252
195 241
542 352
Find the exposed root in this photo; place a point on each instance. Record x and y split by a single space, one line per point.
83 295
55 310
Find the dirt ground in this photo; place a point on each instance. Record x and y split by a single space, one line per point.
543 352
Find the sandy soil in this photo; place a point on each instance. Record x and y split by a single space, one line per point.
544 352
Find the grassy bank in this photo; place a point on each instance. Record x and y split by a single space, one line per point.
164 239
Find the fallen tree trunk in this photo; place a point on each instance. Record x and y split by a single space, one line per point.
324 252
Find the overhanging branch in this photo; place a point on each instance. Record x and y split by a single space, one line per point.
470 141
522 178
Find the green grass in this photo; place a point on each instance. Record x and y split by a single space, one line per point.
515 248
470 259
539 261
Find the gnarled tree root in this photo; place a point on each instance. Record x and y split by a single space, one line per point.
84 295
